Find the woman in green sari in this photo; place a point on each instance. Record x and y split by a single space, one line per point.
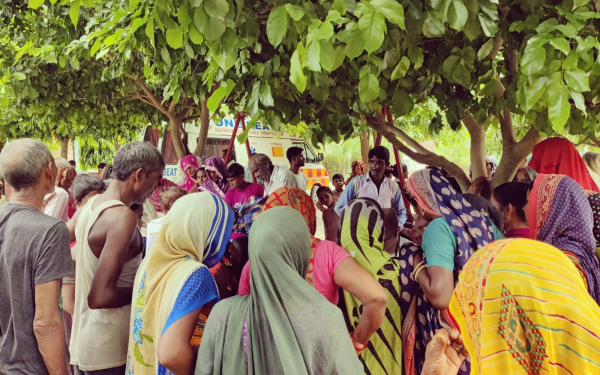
361 234
284 326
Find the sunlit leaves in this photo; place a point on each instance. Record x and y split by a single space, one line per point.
74 11
457 15
392 10
34 4
175 37
433 27
558 101
372 27
368 88
577 80
297 75
277 25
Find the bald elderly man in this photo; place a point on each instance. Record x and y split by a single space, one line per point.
273 176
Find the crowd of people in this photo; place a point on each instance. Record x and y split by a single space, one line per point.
126 272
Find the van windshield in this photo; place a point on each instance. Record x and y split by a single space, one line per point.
309 155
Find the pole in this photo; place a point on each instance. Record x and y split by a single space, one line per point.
248 148
390 120
232 140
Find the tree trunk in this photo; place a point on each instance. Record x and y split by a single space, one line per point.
176 136
204 125
477 153
364 148
64 147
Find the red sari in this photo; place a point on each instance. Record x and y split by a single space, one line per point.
559 156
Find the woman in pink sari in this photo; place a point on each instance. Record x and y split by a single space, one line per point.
189 166
217 177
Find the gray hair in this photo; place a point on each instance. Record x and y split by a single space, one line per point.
85 184
134 156
262 159
62 163
22 162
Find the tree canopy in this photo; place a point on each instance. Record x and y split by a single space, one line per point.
335 64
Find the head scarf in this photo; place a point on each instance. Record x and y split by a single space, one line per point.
300 201
284 326
163 184
362 234
559 156
560 215
530 172
523 308
594 201
436 195
216 164
356 164
493 162
189 161
194 234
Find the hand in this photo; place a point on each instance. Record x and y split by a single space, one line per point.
353 338
441 358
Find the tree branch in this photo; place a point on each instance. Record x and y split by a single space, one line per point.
477 152
192 118
507 129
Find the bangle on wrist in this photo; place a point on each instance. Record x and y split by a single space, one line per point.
357 346
417 270
416 275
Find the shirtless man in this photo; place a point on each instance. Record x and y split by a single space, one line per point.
107 255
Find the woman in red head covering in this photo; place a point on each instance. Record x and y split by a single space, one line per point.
559 156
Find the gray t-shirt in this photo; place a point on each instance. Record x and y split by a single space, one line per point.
34 249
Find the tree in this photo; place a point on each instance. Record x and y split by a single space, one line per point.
336 64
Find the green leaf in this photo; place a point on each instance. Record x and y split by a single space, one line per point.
373 28
401 68
88 3
579 3
252 106
295 11
561 44
577 80
164 53
392 10
216 8
533 60
195 35
328 55
457 15
325 31
449 65
297 76
242 137
264 94
138 356
340 55
225 59
432 26
368 88
558 101
568 30
547 25
340 6
485 49
183 16
461 75
313 56
319 93
277 25
74 12
534 92
435 4
34 4
578 100
133 4
402 104
355 45
416 56
19 76
150 31
96 46
210 27
215 99
489 88
175 37
490 28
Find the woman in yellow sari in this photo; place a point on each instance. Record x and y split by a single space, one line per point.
523 308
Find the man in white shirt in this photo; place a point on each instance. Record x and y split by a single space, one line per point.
273 176
296 157
58 206
376 186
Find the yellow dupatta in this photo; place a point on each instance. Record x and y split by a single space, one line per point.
523 308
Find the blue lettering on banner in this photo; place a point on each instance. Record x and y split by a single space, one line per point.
170 172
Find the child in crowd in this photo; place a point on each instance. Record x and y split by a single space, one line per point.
241 191
331 220
338 184
201 176
167 199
